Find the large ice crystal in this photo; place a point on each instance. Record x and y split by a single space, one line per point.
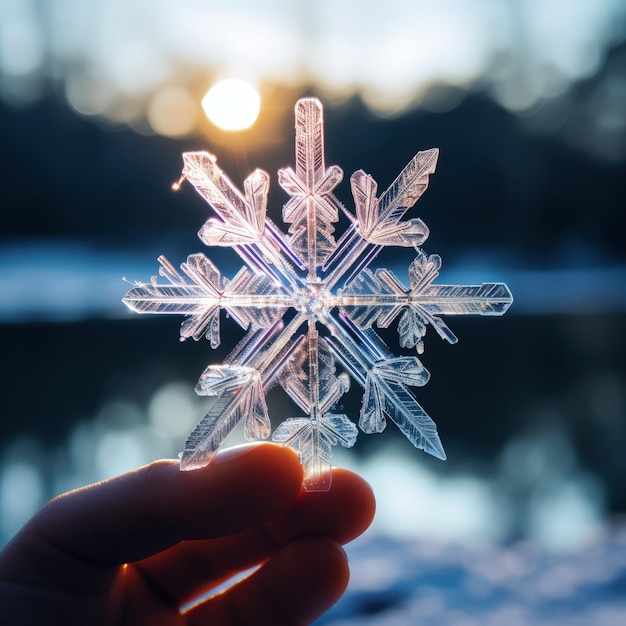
309 303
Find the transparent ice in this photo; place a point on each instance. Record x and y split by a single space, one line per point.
310 302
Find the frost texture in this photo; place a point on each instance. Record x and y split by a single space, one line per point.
309 303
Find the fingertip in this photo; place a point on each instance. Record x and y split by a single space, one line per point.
341 514
268 476
242 486
359 496
272 453
259 460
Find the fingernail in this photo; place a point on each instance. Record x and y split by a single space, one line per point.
236 452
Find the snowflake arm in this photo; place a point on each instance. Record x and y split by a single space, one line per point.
378 219
312 207
385 379
380 297
240 386
259 243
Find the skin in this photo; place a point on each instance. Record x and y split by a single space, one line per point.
138 548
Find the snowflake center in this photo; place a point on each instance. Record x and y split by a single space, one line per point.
314 300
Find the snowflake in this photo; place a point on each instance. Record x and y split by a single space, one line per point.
309 304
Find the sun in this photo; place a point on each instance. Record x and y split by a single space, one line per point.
232 104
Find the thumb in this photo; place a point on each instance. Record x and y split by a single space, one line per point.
146 511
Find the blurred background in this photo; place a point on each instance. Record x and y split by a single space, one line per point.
526 100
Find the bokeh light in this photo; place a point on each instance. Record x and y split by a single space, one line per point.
172 112
232 104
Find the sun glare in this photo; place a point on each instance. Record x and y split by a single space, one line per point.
232 104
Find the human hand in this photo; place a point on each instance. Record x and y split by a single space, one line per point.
135 549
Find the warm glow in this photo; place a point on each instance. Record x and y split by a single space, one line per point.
172 112
232 104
